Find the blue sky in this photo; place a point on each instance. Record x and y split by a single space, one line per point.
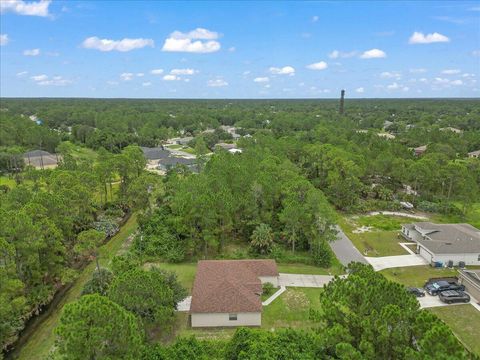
239 49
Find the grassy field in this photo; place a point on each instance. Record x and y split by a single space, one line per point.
381 240
291 309
472 217
42 340
464 320
416 275
4 180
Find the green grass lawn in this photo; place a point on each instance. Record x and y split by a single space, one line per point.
416 275
464 320
42 340
185 272
472 217
291 309
10 182
335 269
378 243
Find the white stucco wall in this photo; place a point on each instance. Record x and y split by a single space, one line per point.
469 259
221 319
271 279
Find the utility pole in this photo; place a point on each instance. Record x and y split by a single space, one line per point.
342 100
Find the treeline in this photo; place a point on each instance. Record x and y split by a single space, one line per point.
256 199
362 317
53 221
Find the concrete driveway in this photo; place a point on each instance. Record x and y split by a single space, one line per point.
344 249
387 262
303 280
429 301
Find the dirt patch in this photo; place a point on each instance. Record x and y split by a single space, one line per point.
362 229
295 300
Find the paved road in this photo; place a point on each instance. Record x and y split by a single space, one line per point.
345 251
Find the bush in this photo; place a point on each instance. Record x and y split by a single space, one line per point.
322 254
268 288
99 283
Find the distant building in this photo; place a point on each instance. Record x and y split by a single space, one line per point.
225 146
180 141
445 242
452 129
235 151
418 151
168 163
155 153
386 135
40 159
227 293
474 154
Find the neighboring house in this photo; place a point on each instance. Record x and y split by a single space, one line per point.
474 154
471 280
228 292
156 153
166 164
225 146
420 150
445 242
41 159
386 135
235 151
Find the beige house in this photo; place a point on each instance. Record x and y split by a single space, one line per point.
228 293
474 154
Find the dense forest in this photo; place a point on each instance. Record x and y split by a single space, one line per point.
302 164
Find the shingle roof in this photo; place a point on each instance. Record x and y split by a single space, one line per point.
155 153
449 238
223 286
40 157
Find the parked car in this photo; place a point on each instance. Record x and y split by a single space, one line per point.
433 288
453 296
418 292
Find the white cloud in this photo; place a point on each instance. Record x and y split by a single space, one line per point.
44 80
476 52
451 71
315 18
186 80
286 70
456 82
321 65
192 41
420 38
336 54
391 75
246 72
140 74
261 79
22 73
32 52
116 45
156 72
39 77
267 86
232 49
217 83
183 71
393 86
360 90
3 39
373 54
418 71
147 83
20 7
126 76
110 82
171 77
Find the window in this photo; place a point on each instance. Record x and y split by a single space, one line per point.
232 317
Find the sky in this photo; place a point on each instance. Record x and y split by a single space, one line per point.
195 49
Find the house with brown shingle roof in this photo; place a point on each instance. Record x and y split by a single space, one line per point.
228 292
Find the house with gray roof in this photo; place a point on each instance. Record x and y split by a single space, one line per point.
474 154
445 242
41 159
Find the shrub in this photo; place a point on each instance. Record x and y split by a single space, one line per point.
268 288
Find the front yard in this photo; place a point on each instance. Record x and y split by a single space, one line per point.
416 276
464 320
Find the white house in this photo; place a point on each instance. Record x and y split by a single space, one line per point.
228 293
445 242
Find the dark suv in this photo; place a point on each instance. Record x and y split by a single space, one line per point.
433 288
453 296
418 292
